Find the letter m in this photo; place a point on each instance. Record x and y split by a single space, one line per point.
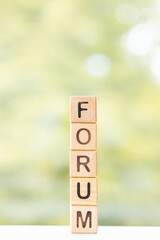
88 216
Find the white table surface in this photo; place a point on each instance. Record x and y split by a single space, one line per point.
63 232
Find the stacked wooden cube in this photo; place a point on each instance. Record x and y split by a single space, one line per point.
83 164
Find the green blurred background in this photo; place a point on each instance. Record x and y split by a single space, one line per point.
51 49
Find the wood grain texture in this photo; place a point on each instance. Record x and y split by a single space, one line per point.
84 219
83 163
83 109
83 136
83 191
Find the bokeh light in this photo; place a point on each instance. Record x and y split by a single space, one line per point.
98 65
140 39
126 14
155 64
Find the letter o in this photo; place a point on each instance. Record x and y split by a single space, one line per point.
78 138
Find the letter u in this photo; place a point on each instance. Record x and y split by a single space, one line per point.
88 191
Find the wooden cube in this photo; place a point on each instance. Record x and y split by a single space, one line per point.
84 219
83 109
83 191
83 163
83 136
